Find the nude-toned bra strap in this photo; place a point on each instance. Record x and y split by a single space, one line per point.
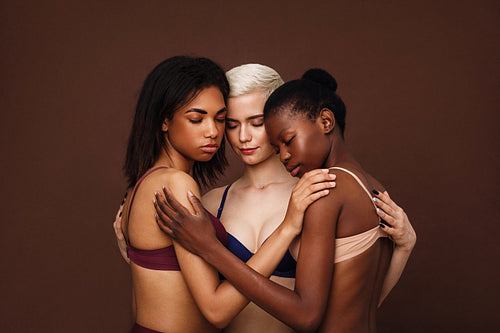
359 182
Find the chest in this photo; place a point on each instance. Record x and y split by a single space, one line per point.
251 216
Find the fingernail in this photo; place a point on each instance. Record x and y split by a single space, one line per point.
123 201
163 187
120 214
190 193
375 192
332 176
126 193
384 190
376 200
382 226
332 184
154 201
325 170
379 210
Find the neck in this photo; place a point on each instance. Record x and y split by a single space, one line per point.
173 160
269 171
339 154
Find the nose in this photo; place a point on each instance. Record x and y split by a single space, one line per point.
245 135
284 155
211 130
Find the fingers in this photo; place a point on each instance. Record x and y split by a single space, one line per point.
315 196
387 219
315 180
176 205
163 227
164 212
387 229
195 202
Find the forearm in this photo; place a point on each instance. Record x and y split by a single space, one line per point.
270 254
398 262
284 304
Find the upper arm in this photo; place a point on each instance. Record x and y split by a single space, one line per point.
315 263
211 200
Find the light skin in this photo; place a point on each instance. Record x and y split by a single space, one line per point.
193 299
264 184
322 288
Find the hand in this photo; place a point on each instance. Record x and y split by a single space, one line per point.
195 232
120 239
395 221
311 186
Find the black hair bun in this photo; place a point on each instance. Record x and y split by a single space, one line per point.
320 76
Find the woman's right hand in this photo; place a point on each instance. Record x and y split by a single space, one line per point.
312 185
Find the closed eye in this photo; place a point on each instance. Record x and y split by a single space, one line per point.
289 141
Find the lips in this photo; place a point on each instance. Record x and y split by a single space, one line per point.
294 170
210 148
248 151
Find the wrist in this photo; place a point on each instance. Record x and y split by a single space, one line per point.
209 253
407 248
288 230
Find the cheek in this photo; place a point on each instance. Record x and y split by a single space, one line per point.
232 136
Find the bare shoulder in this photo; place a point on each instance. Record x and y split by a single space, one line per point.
173 178
211 200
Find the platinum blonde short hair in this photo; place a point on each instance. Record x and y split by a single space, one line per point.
248 78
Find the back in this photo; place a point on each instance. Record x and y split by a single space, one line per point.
362 258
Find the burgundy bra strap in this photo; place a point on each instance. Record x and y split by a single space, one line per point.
139 183
135 191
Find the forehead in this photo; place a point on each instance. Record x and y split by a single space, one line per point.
284 122
209 99
247 105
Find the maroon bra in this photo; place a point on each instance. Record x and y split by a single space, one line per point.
164 259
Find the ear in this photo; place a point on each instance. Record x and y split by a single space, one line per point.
164 126
327 120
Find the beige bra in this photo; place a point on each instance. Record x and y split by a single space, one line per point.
349 247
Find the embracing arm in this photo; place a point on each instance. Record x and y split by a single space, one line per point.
399 228
303 308
221 302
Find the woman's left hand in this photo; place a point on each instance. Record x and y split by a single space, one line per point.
120 239
395 221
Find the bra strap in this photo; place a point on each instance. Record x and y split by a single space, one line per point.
137 187
223 201
359 182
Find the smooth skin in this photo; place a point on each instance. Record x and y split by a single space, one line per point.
257 201
328 297
193 299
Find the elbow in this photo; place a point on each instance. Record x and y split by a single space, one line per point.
308 322
217 318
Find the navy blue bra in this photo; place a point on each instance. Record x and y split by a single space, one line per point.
286 267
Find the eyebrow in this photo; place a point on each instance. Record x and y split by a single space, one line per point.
249 118
283 130
224 109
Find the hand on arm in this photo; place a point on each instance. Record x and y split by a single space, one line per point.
302 309
399 228
120 239
196 233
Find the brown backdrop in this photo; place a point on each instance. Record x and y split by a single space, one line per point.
420 81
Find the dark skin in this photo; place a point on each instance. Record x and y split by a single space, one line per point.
328 297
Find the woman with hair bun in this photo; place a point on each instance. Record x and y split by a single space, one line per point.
344 257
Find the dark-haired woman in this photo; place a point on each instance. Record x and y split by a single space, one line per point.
343 257
177 130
